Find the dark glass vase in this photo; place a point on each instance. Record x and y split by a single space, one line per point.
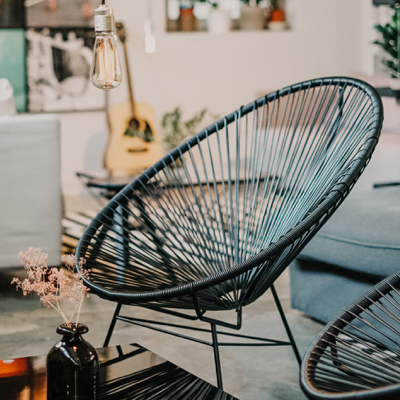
72 366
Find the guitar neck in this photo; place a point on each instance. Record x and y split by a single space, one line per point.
128 76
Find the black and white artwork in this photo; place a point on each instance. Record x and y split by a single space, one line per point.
58 65
60 13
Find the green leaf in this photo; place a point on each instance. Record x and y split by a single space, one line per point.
176 130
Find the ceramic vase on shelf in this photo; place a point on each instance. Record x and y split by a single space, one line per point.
72 366
201 11
233 6
252 18
219 22
187 20
173 13
277 20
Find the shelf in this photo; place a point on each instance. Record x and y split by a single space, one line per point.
231 32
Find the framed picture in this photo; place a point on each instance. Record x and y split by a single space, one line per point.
13 64
12 14
60 13
58 70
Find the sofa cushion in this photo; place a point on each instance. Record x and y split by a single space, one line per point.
30 200
363 235
322 291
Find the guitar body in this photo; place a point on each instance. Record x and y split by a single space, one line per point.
130 155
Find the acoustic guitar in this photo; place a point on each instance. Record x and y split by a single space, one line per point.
134 143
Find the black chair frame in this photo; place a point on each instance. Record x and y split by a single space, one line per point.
274 258
215 343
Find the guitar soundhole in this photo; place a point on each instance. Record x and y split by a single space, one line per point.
134 124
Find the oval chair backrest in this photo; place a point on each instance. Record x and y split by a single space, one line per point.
237 187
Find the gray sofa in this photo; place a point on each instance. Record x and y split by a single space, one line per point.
30 200
358 247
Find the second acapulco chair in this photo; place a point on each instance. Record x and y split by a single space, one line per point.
357 355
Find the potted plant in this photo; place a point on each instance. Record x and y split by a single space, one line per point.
176 130
277 18
234 8
187 19
252 17
389 42
201 11
72 364
173 14
219 20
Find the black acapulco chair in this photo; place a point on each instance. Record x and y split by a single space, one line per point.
357 355
223 215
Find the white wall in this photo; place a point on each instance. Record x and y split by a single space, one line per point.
196 69
83 139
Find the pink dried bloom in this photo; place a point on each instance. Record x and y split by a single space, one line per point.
33 258
69 260
49 300
78 292
51 284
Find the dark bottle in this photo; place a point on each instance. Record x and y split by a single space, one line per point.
72 366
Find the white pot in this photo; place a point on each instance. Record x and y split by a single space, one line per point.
219 22
233 6
252 18
201 10
173 9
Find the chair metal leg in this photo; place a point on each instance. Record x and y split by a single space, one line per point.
112 325
216 355
285 323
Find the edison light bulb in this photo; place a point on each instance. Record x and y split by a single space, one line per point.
106 68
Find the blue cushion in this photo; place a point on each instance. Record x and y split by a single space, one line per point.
363 235
322 291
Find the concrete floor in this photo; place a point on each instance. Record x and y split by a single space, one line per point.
250 373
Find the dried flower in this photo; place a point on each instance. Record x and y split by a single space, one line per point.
52 284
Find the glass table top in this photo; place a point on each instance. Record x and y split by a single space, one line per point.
127 372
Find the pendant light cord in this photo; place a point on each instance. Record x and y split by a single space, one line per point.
103 2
